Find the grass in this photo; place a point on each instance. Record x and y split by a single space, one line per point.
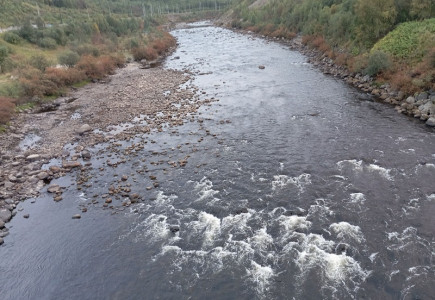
410 41
81 83
24 106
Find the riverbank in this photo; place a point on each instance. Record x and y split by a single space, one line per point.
420 106
135 100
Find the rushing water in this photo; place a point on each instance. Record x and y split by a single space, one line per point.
297 187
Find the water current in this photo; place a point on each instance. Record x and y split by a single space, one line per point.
297 187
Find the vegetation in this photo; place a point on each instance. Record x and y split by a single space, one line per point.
53 44
391 39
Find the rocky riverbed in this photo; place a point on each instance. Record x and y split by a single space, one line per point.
131 102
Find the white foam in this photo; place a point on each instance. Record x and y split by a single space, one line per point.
207 225
346 231
372 256
301 181
204 188
355 164
261 276
431 197
234 224
261 240
357 198
382 171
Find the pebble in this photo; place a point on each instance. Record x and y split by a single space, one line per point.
76 216
26 216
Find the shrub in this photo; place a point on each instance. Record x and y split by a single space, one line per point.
34 83
97 67
147 53
68 58
6 109
64 77
47 43
12 38
39 62
87 49
378 62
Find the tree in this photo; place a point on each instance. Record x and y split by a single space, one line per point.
421 9
375 18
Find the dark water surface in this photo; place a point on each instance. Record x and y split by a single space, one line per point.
297 187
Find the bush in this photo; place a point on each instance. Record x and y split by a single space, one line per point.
47 43
97 67
378 62
64 77
68 58
147 53
87 49
39 62
12 38
6 109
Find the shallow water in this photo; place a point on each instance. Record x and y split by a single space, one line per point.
308 190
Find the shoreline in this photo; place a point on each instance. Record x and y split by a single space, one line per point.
135 100
420 106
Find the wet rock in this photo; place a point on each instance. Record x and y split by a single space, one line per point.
71 164
12 178
26 216
2 224
5 215
1 241
42 175
54 188
108 200
33 157
86 155
84 209
243 210
54 169
124 177
84 128
261 67
152 177
57 198
174 228
76 216
431 122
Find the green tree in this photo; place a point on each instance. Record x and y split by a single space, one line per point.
421 9
375 18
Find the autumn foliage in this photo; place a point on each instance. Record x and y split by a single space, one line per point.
6 109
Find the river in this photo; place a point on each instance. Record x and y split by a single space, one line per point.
297 186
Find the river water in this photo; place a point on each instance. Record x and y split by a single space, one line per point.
297 187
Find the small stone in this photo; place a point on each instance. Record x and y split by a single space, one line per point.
174 228
54 188
108 200
84 209
26 216
54 169
12 178
124 177
431 122
71 164
57 198
2 224
33 157
5 215
42 175
86 155
152 177
84 128
76 216
261 67
1 241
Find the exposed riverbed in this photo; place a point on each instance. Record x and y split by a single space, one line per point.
292 186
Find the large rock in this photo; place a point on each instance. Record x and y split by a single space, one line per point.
431 122
5 215
2 224
84 128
